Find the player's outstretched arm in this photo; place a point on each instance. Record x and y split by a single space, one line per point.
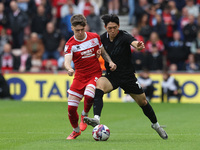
139 45
107 58
68 60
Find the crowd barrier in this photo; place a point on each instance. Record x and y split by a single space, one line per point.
53 87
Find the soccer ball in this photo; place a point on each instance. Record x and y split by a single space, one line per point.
101 133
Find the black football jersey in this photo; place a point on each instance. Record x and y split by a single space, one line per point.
120 52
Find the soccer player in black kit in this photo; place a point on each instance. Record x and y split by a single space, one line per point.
117 44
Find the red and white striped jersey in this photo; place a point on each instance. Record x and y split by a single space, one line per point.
84 54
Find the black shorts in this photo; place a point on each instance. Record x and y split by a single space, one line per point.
127 82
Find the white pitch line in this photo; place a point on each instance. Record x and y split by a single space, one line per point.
113 133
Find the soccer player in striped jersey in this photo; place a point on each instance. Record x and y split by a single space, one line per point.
83 48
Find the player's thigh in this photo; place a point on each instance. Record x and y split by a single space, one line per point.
91 85
140 99
104 84
73 97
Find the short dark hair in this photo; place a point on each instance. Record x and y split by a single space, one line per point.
78 19
110 18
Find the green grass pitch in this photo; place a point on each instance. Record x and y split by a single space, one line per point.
45 125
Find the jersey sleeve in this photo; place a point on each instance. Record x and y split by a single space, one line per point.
68 49
128 38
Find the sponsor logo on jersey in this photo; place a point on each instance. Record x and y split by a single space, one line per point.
93 43
88 53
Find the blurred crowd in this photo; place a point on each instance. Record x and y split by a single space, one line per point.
34 32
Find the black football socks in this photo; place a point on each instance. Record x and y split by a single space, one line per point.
98 102
149 112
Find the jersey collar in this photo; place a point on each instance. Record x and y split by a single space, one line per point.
108 35
81 40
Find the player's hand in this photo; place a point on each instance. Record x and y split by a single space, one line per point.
70 72
98 53
140 45
112 66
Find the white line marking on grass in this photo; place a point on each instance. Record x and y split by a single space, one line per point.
113 133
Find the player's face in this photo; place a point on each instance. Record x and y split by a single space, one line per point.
112 29
79 32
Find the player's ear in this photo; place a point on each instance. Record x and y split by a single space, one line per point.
72 28
105 26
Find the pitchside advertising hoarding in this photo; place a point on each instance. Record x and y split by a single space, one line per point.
53 87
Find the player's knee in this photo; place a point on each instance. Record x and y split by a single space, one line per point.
72 106
99 85
142 102
89 94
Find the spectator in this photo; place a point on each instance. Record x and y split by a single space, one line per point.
138 60
137 56
113 7
51 39
143 27
65 8
170 87
183 21
4 38
23 5
50 65
39 21
192 8
191 65
18 20
36 65
198 22
152 14
159 4
160 27
195 48
3 17
48 8
7 59
177 52
65 24
84 7
141 8
190 30
93 21
57 4
180 4
131 5
169 22
137 36
35 46
174 13
98 3
154 39
173 68
146 83
6 5
32 8
24 60
154 60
